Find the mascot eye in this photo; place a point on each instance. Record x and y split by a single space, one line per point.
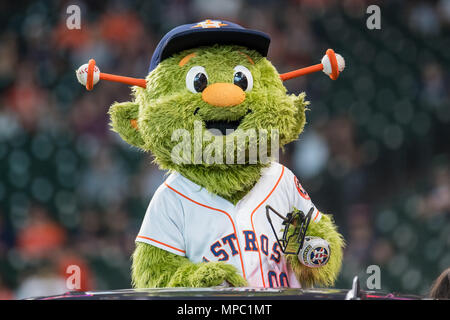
196 79
243 78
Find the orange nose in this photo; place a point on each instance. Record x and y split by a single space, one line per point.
223 95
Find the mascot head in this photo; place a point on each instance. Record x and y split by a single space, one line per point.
212 107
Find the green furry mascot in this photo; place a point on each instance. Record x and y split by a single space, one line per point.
213 111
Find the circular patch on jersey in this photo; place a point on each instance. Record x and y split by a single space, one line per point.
319 256
301 190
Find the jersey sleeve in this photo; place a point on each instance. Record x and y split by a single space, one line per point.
163 223
301 199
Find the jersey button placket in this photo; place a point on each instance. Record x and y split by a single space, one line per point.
243 224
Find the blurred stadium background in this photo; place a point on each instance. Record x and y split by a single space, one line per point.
375 151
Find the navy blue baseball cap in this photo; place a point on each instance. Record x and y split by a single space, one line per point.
207 33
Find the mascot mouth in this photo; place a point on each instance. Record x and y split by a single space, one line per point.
224 126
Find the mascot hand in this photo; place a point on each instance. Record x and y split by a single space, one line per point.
154 268
207 274
320 237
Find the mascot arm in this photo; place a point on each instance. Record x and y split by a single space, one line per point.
327 274
153 267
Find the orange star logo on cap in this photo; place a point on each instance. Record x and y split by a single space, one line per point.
209 24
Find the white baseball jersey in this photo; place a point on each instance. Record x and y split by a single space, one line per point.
187 220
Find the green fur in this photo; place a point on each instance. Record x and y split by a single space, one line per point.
121 114
327 274
166 105
155 268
